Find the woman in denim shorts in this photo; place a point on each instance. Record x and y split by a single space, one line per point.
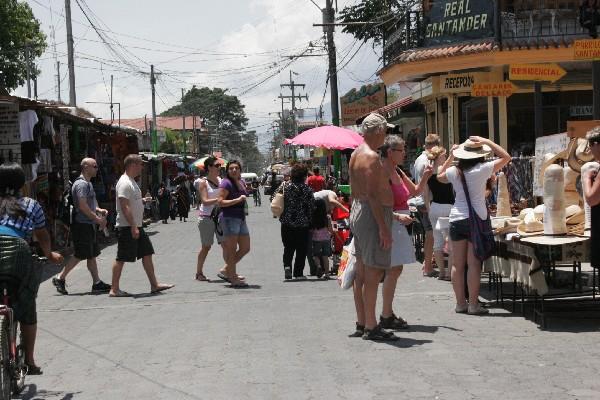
472 163
236 237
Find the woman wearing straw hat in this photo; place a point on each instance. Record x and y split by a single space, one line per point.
472 164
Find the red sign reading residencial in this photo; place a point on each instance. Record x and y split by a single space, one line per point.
587 49
492 89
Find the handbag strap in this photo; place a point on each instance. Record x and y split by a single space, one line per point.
466 190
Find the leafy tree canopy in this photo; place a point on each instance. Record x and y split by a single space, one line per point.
224 114
18 29
385 13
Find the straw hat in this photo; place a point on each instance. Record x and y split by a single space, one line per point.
470 150
574 215
530 228
510 226
539 212
579 153
524 212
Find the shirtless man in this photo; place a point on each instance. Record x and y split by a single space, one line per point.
370 222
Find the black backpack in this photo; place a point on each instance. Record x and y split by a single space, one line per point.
66 208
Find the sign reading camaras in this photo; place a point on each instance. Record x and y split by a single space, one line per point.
357 103
451 21
492 89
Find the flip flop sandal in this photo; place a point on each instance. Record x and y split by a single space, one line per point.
223 277
162 288
431 274
120 293
393 322
33 369
202 278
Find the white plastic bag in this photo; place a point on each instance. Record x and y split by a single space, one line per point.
347 268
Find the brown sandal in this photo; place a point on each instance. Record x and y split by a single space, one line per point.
201 277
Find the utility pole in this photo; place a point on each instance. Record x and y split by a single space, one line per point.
183 114
329 18
112 113
154 134
292 85
28 61
58 79
35 87
72 97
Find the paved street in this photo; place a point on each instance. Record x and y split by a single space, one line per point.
279 340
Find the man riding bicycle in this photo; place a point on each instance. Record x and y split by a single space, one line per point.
256 192
22 218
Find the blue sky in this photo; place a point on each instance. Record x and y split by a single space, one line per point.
234 44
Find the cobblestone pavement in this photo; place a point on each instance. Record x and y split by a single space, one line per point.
287 340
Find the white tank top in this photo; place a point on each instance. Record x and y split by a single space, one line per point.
213 193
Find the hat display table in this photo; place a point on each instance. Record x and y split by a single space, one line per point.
531 265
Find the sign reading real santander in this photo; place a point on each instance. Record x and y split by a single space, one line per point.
536 72
492 89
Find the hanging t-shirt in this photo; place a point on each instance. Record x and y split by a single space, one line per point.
27 120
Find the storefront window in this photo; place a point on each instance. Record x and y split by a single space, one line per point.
473 117
559 107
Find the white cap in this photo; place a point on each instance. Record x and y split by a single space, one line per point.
373 120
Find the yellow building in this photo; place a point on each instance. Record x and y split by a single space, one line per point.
448 46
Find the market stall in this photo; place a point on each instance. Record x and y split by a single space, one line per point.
544 251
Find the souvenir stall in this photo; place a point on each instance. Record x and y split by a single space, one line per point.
542 250
49 140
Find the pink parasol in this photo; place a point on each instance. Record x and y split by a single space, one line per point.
330 137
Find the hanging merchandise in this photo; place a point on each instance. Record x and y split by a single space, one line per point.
503 208
519 176
27 120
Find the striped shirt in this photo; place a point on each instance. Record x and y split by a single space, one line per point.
34 217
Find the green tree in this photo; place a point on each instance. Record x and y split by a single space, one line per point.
175 142
385 16
223 114
19 29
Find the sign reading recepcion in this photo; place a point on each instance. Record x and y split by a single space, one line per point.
357 103
451 21
461 83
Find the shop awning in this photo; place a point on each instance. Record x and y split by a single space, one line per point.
386 110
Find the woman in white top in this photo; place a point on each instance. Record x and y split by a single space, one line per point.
209 192
472 163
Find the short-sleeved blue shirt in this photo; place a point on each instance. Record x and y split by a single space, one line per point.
34 218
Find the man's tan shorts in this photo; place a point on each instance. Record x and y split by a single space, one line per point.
366 235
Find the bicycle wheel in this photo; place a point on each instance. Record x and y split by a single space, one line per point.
20 370
5 363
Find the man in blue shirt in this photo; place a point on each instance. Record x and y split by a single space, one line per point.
85 216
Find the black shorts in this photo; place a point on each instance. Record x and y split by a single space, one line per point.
85 241
460 230
130 249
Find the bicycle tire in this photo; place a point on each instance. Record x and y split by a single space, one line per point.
20 369
5 363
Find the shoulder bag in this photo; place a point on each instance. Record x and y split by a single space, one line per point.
482 235
278 203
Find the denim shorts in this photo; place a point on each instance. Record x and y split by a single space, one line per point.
460 230
234 227
321 248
